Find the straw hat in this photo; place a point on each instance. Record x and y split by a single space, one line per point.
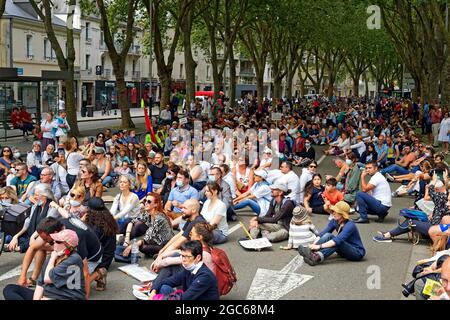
342 208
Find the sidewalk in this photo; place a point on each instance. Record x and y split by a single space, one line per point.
136 113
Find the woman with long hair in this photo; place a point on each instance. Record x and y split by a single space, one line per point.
90 181
6 160
105 227
126 204
104 167
314 201
153 223
73 158
215 212
144 181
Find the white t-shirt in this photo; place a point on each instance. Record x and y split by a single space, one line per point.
73 163
382 190
48 126
220 209
304 179
263 195
293 183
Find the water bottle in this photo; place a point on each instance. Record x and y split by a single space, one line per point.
134 252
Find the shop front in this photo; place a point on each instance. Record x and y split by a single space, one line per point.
50 90
105 93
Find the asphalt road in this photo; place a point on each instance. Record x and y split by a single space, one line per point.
336 279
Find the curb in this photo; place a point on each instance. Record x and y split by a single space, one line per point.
418 252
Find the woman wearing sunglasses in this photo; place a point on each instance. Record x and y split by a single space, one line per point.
74 208
153 224
6 159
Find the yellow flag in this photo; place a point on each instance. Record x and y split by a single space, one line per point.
142 103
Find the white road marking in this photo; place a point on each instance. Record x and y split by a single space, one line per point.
15 272
273 285
293 265
321 159
233 229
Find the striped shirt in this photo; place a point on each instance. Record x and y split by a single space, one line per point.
301 235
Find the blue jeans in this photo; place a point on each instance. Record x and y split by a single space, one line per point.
250 203
165 289
219 237
345 249
107 180
395 168
369 205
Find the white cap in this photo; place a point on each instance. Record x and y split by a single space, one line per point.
261 173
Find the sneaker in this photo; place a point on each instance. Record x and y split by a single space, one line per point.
389 177
352 210
141 295
381 238
394 194
311 258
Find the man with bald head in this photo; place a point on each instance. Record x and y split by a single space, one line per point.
47 176
191 214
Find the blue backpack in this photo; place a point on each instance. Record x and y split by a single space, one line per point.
414 214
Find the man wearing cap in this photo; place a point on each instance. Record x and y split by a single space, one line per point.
275 224
258 197
61 277
347 243
379 201
89 247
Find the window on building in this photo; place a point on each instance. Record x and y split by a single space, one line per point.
53 54
88 57
46 52
134 66
208 75
88 36
181 71
29 47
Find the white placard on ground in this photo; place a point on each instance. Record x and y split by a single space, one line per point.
256 244
140 273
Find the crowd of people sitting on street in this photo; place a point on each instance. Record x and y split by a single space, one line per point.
175 205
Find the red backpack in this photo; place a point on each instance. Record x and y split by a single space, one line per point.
225 274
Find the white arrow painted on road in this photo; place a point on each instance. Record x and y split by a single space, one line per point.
273 285
15 272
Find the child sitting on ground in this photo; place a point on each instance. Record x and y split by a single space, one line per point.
125 168
301 230
332 195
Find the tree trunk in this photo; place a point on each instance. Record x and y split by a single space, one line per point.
166 80
232 64
71 107
189 62
2 7
260 88
126 122
446 84
277 89
366 85
356 87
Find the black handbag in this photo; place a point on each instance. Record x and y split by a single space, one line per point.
17 213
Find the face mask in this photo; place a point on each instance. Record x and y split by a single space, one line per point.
170 177
17 155
212 178
75 203
348 162
307 145
190 268
180 184
13 170
6 201
40 203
